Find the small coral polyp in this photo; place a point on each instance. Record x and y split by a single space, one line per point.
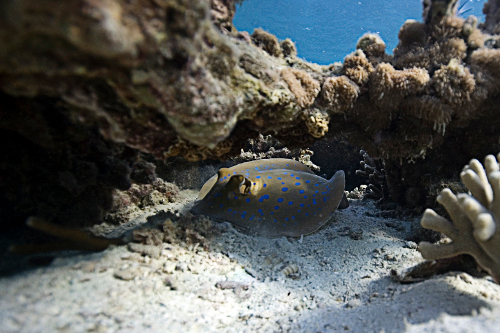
474 228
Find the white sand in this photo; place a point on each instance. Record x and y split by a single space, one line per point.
342 284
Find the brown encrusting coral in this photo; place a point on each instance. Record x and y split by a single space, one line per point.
339 93
474 228
303 86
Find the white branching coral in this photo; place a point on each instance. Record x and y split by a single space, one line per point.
475 229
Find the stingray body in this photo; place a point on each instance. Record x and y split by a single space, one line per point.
271 198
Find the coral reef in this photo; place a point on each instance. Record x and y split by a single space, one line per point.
475 218
175 78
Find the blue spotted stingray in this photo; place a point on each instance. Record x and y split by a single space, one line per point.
271 197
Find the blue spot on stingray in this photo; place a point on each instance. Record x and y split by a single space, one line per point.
308 181
316 191
301 205
323 192
251 218
221 205
234 172
307 214
255 183
275 220
244 212
279 178
225 177
319 208
272 213
235 197
299 210
229 209
282 183
284 189
297 184
280 200
314 195
257 177
265 185
316 184
242 216
272 164
276 207
324 199
286 219
247 199
314 201
256 168
290 203
292 175
259 210
247 174
301 191
295 223
210 203
269 177
288 165
293 217
284 224
305 196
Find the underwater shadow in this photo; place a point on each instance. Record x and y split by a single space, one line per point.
413 304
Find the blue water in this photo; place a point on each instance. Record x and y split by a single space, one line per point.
326 31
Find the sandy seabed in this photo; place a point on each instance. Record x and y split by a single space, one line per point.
336 280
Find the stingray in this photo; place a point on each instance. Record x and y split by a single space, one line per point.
271 197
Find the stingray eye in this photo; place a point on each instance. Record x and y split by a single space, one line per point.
246 184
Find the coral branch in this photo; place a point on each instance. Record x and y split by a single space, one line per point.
475 227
